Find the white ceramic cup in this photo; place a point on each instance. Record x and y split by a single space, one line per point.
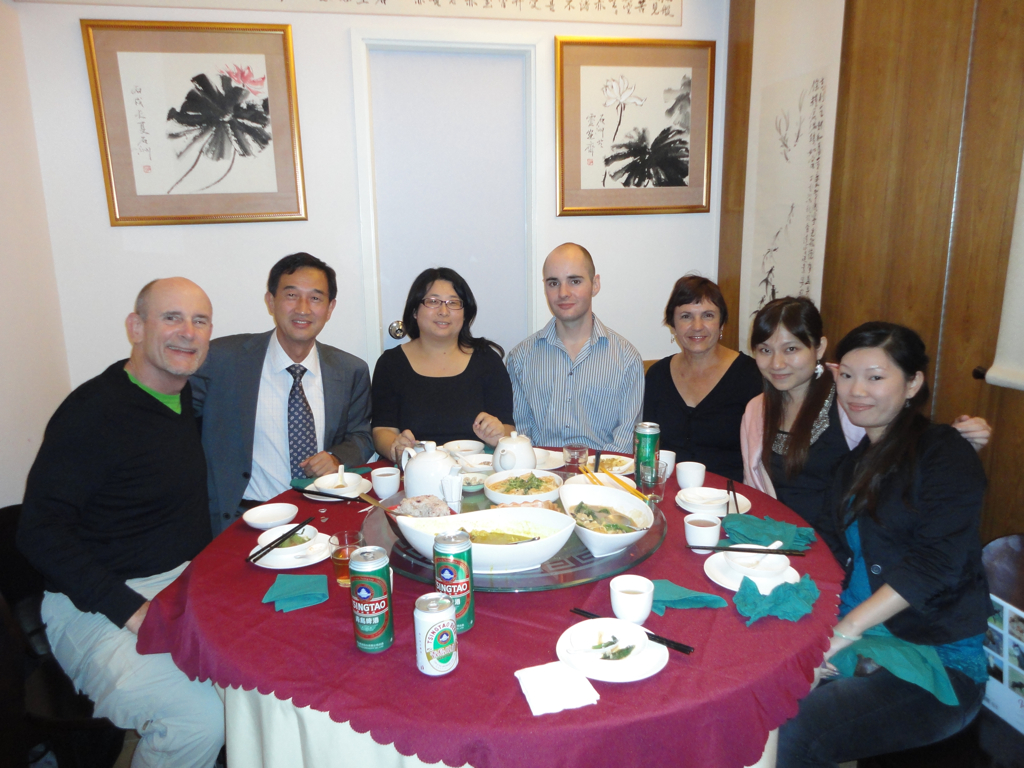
690 474
385 481
632 597
669 457
702 530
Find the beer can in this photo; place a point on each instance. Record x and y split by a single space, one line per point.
437 647
453 575
646 439
371 599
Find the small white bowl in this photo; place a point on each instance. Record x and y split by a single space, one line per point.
329 484
755 565
283 554
603 544
515 498
267 516
480 463
713 501
605 480
463 447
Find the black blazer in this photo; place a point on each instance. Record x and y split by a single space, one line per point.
931 553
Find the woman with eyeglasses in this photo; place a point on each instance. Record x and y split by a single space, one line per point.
443 384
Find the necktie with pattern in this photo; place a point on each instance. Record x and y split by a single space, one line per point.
301 427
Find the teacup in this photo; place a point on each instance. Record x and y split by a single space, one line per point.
385 481
632 597
690 474
702 530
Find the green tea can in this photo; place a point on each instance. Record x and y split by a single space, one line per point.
437 647
371 599
453 575
646 439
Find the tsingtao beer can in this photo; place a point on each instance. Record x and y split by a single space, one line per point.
646 439
371 599
437 647
453 575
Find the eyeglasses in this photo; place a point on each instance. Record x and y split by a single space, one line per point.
434 303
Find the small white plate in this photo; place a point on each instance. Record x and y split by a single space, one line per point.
350 491
650 661
619 468
744 503
719 571
321 550
318 496
548 459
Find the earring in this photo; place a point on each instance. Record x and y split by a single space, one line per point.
906 403
720 334
818 370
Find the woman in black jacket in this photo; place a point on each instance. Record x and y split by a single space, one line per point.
904 514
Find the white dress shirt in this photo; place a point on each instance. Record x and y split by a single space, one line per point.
271 467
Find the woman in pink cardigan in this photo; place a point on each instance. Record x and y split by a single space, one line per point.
797 423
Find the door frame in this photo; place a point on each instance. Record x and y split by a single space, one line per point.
365 40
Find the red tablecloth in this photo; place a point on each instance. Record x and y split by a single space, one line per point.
714 707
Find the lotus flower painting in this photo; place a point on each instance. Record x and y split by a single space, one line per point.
198 123
635 127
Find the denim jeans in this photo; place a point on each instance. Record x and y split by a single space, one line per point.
852 718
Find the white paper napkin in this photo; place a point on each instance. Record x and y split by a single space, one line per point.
556 686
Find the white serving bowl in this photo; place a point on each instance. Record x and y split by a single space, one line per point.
603 544
514 498
605 480
267 516
479 463
713 501
329 484
458 448
755 565
283 555
553 527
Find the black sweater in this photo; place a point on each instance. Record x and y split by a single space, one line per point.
117 491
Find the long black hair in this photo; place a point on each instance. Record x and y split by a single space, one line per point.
418 291
896 452
800 317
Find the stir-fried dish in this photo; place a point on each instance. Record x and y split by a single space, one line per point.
525 485
610 649
603 519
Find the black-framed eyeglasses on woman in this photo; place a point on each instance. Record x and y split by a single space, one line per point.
434 303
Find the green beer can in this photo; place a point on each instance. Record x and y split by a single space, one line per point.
371 599
646 439
453 575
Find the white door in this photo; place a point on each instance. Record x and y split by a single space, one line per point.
450 179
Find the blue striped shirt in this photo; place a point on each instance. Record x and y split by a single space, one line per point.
594 400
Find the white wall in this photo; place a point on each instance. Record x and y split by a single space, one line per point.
99 268
34 375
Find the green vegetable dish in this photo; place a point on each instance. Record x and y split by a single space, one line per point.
603 519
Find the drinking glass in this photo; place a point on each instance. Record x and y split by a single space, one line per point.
574 456
652 479
343 544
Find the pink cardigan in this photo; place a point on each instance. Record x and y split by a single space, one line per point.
752 433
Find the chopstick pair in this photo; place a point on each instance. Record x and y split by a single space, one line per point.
731 488
790 552
593 478
674 645
273 545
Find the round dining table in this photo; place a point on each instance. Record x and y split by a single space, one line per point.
297 691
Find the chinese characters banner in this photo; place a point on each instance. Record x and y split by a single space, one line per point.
649 12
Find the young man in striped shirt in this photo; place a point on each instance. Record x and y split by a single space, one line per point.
575 380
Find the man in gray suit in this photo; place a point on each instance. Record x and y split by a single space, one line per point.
280 405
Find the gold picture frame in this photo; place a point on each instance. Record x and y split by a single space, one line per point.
657 157
184 123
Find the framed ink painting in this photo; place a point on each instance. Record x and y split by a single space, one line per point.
634 125
183 115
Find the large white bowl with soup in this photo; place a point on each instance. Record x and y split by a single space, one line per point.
608 515
551 529
518 485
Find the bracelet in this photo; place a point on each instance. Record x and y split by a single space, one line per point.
840 635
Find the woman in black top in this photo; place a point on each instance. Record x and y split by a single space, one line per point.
698 395
444 384
903 519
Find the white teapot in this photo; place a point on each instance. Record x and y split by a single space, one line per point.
424 468
514 452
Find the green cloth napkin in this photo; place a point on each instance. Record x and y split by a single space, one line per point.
669 595
787 601
302 483
747 529
917 664
291 592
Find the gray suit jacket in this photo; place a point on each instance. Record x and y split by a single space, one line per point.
225 392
